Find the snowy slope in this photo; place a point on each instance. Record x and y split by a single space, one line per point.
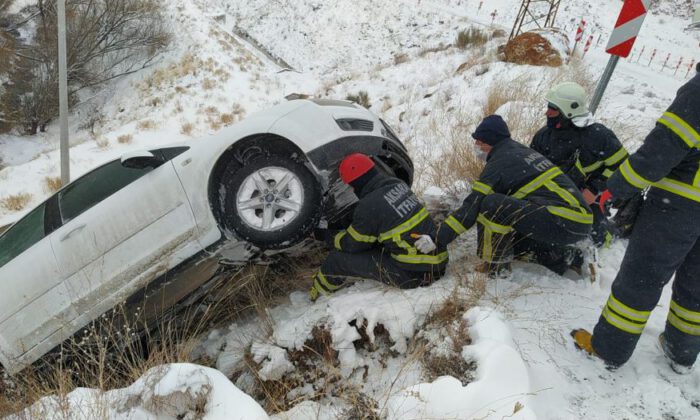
399 53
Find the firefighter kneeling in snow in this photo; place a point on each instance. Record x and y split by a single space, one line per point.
521 201
665 240
389 239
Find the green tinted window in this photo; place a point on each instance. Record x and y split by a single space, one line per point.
95 187
20 237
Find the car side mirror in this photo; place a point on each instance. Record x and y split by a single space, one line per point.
141 160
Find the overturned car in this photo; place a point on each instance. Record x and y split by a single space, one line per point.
155 225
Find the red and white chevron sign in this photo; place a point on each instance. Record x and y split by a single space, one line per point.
627 27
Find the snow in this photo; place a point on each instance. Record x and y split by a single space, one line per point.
174 391
526 365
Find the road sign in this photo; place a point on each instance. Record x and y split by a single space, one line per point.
627 27
621 41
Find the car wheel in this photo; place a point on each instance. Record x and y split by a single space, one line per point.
272 202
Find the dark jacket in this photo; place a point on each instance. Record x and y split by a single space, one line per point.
669 159
516 170
386 215
588 155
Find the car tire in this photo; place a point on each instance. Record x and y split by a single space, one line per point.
267 217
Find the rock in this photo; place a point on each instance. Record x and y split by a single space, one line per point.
544 47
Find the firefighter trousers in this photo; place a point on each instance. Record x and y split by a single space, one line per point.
505 221
664 241
375 264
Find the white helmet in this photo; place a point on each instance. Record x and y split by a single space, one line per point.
569 98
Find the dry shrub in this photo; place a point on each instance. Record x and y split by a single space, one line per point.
15 202
101 356
450 161
227 119
52 184
400 58
125 138
211 110
187 128
361 98
443 356
472 37
427 50
576 71
208 84
146 125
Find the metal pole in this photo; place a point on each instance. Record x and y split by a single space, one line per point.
63 92
603 83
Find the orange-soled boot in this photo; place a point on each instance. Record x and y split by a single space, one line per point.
582 340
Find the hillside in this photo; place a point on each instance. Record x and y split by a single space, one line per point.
464 347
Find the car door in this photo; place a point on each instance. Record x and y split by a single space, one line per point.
34 303
121 228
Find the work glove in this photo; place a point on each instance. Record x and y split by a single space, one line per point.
425 244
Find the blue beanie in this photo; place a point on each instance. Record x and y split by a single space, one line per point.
491 130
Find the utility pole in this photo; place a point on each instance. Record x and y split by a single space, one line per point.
63 92
535 13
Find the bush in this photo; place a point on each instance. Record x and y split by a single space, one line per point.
362 98
472 37
15 202
106 39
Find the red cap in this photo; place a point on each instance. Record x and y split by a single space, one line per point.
354 166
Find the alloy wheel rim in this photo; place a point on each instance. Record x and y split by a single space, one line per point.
270 198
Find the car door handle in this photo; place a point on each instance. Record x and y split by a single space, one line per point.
75 230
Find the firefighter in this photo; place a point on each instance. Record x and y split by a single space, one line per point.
588 152
389 239
521 201
665 240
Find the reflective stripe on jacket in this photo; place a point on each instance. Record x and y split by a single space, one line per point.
589 155
518 171
669 159
389 215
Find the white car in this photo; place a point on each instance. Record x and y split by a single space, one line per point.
156 221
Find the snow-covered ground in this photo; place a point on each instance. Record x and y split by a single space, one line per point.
398 52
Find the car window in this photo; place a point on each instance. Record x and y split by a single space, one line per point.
168 153
25 233
95 186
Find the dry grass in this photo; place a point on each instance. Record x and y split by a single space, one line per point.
361 98
187 128
227 119
144 125
208 84
100 357
428 50
400 58
52 184
125 139
472 37
15 202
